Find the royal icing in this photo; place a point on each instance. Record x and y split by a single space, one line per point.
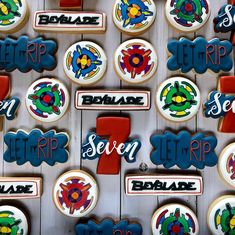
71 4
135 61
221 104
69 21
47 100
220 217
85 63
36 147
24 54
112 100
75 193
225 21
108 227
20 187
187 15
13 15
13 221
134 16
8 107
109 151
178 99
146 185
183 150
174 219
200 55
226 164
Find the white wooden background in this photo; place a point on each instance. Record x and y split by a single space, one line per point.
44 217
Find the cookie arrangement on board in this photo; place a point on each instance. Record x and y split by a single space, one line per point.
112 141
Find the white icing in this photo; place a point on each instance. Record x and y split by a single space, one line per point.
219 204
85 178
171 210
85 79
131 29
195 25
7 182
18 215
166 112
50 117
145 95
228 18
71 16
126 75
223 168
168 180
23 10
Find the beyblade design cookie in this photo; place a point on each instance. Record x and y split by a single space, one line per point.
187 15
134 16
85 63
174 219
75 193
178 99
135 61
47 99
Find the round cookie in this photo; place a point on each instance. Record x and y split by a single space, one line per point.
47 100
187 15
14 14
174 219
13 221
85 63
134 16
178 99
135 61
221 215
75 193
226 164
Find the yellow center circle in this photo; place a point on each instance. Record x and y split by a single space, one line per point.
136 60
75 195
83 61
134 11
178 99
232 222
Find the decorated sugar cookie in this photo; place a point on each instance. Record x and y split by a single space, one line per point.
13 221
200 55
187 15
71 4
226 164
108 227
134 16
47 100
221 103
221 214
135 61
85 63
36 147
14 14
75 193
174 219
178 99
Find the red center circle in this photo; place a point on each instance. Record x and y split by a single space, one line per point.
176 229
46 98
188 7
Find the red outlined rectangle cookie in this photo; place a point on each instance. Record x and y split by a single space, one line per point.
158 185
112 100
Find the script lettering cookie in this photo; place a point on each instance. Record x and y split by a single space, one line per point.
13 221
135 61
75 193
85 63
221 214
187 15
174 219
14 14
178 99
134 16
47 100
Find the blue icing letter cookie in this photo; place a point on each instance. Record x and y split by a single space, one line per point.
107 227
183 150
9 107
200 55
24 54
36 147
